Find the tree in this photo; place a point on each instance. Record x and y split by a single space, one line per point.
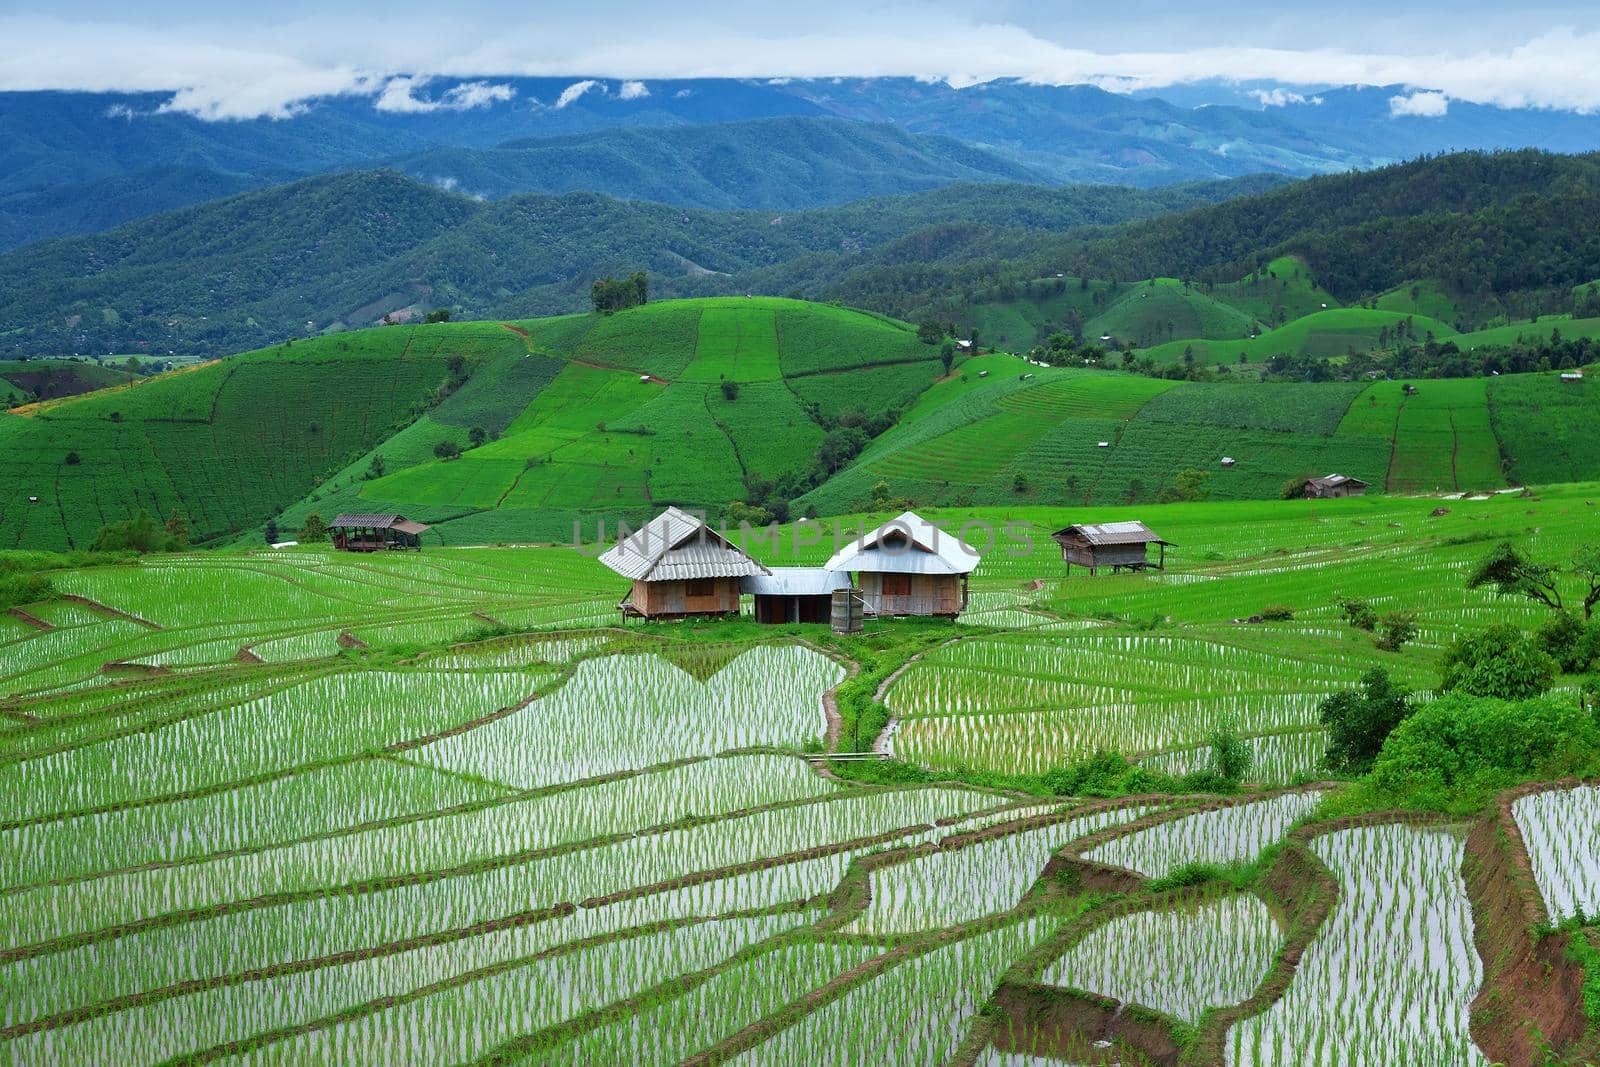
929 332
1396 629
477 436
447 449
1513 574
270 532
1358 613
374 467
1019 484
138 534
947 355
1187 484
73 459
611 295
438 315
1360 720
314 530
730 391
1501 662
1565 638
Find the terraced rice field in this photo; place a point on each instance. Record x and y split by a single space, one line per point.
292 807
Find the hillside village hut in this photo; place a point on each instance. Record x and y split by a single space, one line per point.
679 567
376 533
908 566
1332 486
1118 545
795 594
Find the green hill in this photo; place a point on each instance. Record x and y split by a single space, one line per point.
514 431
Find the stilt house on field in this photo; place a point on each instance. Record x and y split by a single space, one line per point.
680 567
908 566
1118 545
1331 486
376 533
795 594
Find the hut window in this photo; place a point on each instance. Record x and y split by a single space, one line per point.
897 585
701 587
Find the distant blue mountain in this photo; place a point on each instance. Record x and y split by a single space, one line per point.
80 162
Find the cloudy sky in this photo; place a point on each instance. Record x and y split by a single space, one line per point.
237 61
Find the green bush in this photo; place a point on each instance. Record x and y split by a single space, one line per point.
1396 629
1359 613
1566 639
1277 613
1455 752
1501 661
138 534
1360 720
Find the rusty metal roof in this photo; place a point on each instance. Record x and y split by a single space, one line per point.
795 581
674 546
374 522
1113 533
907 544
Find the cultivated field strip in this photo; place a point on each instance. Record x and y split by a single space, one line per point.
1561 828
1393 967
1180 960
1236 833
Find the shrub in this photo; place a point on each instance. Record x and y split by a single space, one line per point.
1455 752
1231 755
1565 639
314 529
1359 613
138 534
270 532
73 459
730 390
24 588
1360 720
1277 613
477 436
447 449
1501 661
1396 629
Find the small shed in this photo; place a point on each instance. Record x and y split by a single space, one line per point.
1118 545
1333 486
679 567
1229 461
908 566
376 533
794 594
1572 375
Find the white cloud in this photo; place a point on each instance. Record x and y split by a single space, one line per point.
399 95
1281 97
244 66
1429 105
633 91
121 111
575 90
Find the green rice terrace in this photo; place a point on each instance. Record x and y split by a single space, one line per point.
293 805
512 431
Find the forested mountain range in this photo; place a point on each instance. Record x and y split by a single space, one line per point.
80 162
346 250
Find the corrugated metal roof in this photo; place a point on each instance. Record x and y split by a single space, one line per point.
1113 533
675 545
370 522
406 526
930 550
796 581
1329 481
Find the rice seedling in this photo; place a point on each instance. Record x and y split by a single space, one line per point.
1181 960
1561 828
914 1012
951 887
1234 834
625 711
1390 975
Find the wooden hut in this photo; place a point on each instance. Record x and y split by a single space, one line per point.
1118 545
795 594
376 533
1331 486
679 567
908 566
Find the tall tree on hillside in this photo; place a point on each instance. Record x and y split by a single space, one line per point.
614 294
